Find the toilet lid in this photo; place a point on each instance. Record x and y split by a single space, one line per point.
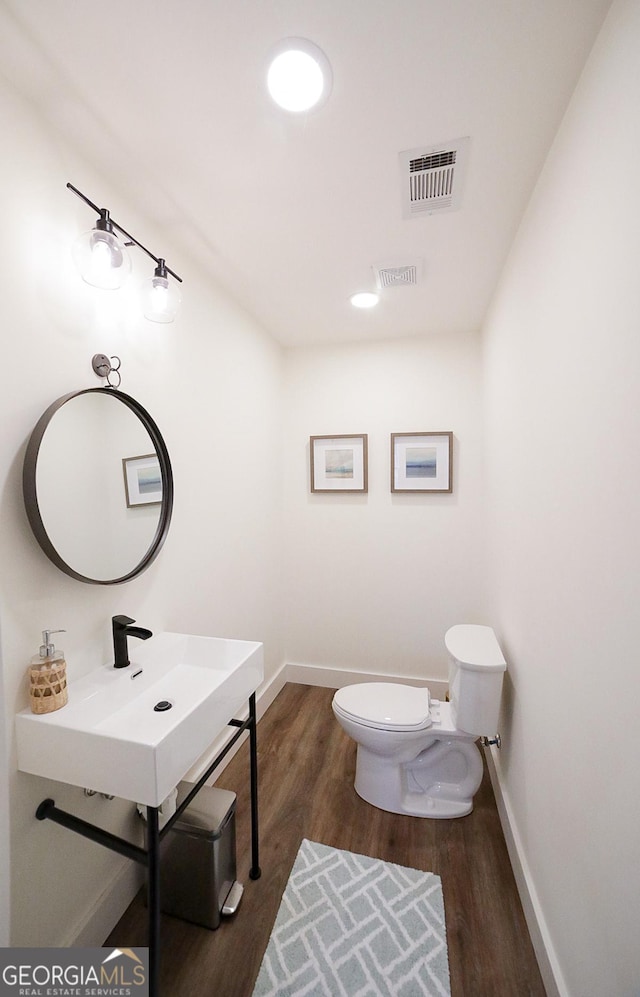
385 705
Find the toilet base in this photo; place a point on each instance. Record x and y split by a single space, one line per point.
418 805
440 783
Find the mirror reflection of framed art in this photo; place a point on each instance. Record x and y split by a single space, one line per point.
142 480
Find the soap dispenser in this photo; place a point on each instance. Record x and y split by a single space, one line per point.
48 677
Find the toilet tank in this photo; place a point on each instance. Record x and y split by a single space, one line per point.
476 668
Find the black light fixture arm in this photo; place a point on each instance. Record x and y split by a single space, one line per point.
104 214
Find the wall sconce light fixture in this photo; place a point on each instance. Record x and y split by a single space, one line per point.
103 261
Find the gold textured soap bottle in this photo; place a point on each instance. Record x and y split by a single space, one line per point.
48 677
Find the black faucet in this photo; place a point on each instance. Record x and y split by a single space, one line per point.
121 630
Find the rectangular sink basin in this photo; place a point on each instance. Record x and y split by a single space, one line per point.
110 738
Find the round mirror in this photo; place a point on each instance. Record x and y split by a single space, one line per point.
98 486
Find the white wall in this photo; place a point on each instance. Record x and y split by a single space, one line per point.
212 381
373 581
562 427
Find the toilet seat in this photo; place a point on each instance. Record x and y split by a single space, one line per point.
385 705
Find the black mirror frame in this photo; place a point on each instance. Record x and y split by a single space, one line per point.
31 496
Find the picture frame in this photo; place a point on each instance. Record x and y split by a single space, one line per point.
339 463
142 480
422 462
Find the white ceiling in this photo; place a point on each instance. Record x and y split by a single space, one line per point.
289 213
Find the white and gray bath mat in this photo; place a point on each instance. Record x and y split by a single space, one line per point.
353 926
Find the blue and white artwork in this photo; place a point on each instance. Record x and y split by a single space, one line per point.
149 479
142 480
339 463
421 462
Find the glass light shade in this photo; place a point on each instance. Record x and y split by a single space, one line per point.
161 300
364 299
101 259
299 75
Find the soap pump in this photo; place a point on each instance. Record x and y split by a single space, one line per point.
48 677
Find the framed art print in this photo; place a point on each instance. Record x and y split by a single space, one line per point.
421 462
338 463
142 480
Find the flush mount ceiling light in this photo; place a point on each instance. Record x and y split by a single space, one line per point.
103 261
299 75
364 299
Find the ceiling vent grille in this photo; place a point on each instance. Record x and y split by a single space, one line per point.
397 274
432 177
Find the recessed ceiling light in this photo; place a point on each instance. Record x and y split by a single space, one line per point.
364 299
299 75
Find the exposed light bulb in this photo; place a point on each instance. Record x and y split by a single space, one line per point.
161 299
100 264
159 295
100 256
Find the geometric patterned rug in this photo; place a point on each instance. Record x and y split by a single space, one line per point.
353 926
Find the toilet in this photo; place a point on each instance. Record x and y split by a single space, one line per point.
417 755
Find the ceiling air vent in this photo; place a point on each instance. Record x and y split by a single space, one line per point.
432 177
397 273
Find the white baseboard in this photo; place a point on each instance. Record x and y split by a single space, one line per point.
336 678
550 971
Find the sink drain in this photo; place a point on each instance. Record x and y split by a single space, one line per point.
162 706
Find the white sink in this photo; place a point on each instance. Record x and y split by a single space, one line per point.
109 737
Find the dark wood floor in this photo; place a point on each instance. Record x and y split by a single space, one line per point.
306 770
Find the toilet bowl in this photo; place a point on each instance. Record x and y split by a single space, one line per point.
416 755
